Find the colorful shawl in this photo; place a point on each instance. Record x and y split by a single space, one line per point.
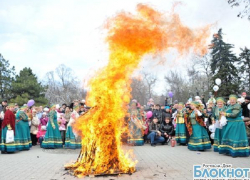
199 120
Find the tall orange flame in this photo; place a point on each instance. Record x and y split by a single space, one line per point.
130 37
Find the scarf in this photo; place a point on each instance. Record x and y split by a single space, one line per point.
198 119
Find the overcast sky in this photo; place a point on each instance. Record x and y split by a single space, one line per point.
44 34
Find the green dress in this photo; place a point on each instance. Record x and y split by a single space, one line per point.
180 131
218 132
234 140
52 138
22 135
7 147
199 140
10 147
72 142
135 137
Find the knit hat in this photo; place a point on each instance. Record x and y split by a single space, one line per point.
52 106
220 99
76 108
23 108
233 96
167 107
11 105
195 103
247 98
181 103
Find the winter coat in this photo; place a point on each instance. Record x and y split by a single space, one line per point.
44 120
245 110
159 114
167 128
34 125
154 127
40 133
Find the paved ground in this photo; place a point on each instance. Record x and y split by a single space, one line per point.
160 162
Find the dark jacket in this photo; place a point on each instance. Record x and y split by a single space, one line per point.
245 110
159 114
167 128
204 103
154 127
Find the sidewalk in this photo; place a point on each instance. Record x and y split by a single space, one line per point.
160 162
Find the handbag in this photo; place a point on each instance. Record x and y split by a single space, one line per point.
9 136
43 128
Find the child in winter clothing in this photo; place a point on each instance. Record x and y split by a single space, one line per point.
62 126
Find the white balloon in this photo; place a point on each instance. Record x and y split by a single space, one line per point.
218 81
212 136
211 128
216 88
57 106
248 106
46 109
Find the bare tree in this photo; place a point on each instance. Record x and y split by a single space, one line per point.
246 7
63 86
201 65
150 81
178 85
139 90
142 89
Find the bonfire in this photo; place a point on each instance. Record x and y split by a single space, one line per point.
130 37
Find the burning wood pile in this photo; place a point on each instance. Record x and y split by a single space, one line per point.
130 37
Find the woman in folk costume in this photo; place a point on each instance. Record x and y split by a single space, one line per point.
199 139
180 133
216 120
72 141
136 133
52 137
234 140
22 136
8 124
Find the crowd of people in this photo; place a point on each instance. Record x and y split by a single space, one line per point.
50 127
195 124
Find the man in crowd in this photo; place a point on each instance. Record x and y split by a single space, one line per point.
243 96
158 113
175 107
63 107
244 106
203 101
154 133
3 105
